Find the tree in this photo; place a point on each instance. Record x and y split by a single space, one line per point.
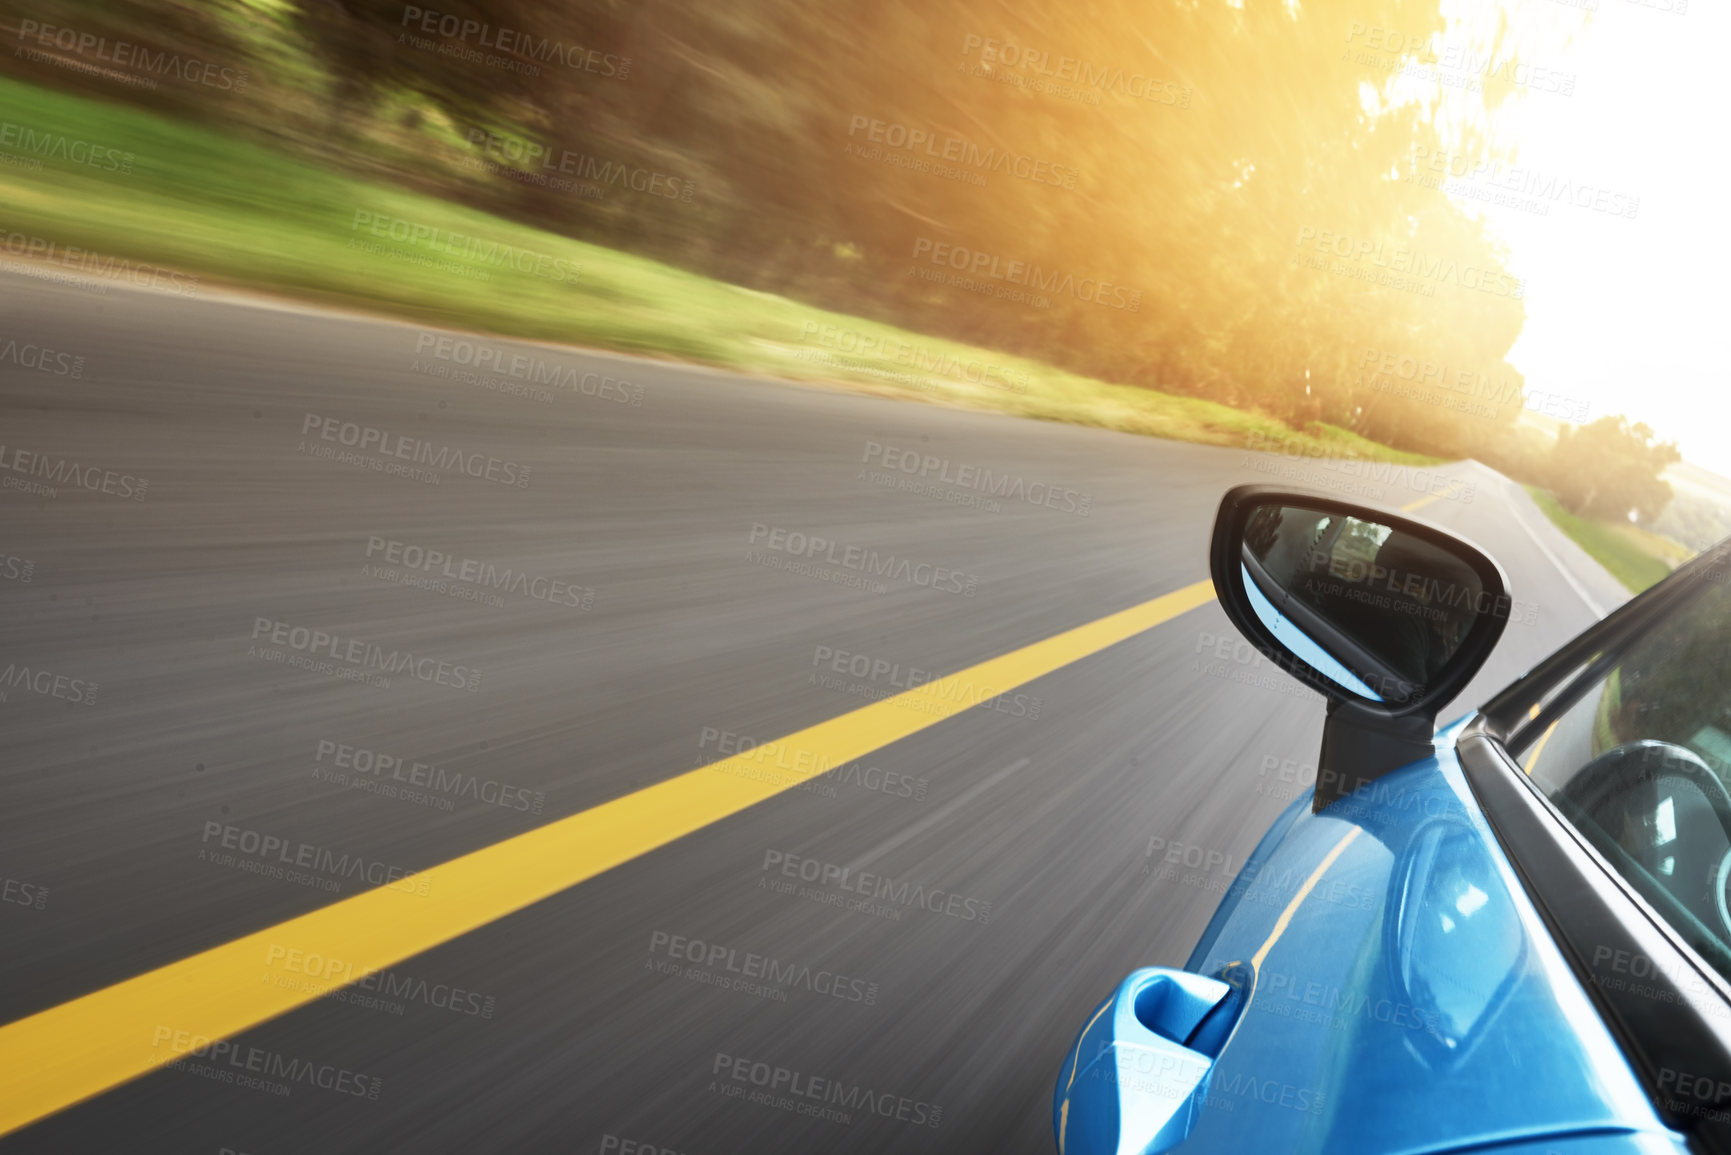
1228 199
1612 468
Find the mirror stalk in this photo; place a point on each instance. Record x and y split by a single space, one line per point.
1361 744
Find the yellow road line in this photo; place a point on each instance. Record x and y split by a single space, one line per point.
1285 919
92 1044
1539 747
1414 506
1064 1111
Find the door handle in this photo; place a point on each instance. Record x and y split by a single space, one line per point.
1136 1077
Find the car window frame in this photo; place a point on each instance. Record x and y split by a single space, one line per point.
1594 914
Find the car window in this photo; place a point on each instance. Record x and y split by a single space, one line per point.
1640 763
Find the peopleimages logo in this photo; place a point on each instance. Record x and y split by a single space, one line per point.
877 887
189 70
747 965
749 757
258 1061
1453 63
1368 577
61 471
1379 472
78 691
495 254
514 43
1294 996
977 263
90 263
1430 382
915 357
41 358
274 852
961 150
1696 1094
21 893
58 146
470 572
482 358
809 1090
364 656
369 438
1075 70
582 166
362 761
613 1145
861 560
1439 168
1673 982
1407 263
927 467
327 975
899 679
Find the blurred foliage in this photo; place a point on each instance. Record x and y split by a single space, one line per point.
1636 558
205 203
1696 521
1611 469
1238 169
1670 685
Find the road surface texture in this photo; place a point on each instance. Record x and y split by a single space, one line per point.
661 611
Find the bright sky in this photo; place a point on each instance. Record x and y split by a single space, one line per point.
1628 315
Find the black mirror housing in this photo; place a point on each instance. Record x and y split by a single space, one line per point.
1388 617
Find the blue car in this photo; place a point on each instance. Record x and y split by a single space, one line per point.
1507 935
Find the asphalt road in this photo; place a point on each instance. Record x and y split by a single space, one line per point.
557 1029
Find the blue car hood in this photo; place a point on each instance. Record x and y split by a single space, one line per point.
1407 996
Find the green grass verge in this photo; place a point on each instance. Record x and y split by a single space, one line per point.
231 212
1632 555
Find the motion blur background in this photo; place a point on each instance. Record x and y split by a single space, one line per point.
1337 216
734 295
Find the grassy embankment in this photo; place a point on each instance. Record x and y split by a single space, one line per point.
1632 555
233 213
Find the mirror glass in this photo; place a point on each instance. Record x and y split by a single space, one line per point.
1378 611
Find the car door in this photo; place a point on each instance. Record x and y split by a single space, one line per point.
1407 995
1507 943
1603 774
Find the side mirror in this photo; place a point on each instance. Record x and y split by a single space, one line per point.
1386 616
